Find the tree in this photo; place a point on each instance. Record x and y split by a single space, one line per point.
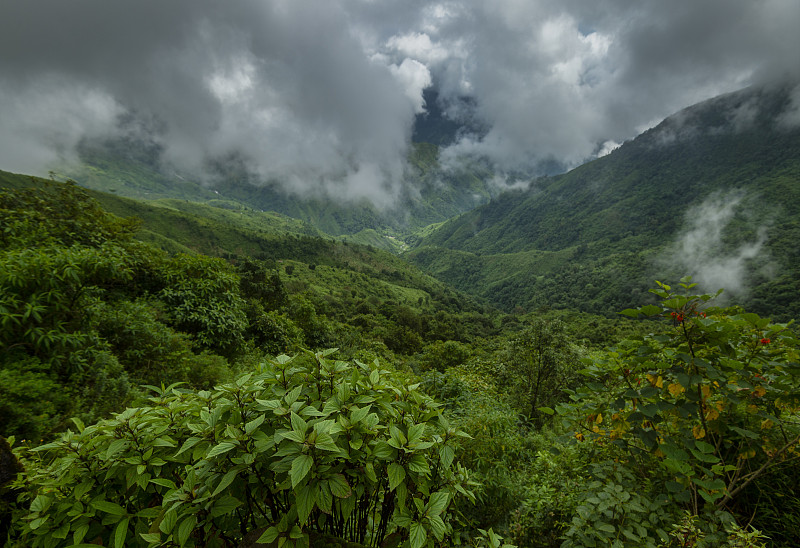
540 363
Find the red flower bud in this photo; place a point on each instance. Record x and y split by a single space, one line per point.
765 341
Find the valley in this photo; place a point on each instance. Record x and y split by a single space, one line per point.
224 364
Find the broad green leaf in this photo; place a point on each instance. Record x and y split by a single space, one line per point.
418 536
79 533
185 529
419 465
745 433
168 522
396 475
704 457
225 506
188 444
121 533
339 486
268 536
306 498
438 502
298 424
250 427
651 310
383 451
438 527
326 443
415 432
674 452
325 499
220 449
108 507
151 538
359 414
226 481
301 465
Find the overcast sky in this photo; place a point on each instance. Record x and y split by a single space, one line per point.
323 93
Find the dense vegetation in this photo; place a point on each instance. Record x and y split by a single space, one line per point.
590 239
435 419
192 371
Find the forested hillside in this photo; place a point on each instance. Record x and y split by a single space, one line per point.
201 373
429 193
723 174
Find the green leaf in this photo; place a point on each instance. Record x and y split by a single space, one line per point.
744 433
396 475
121 533
78 423
674 452
164 482
168 522
438 503
325 499
268 536
651 310
339 486
226 481
306 498
359 414
253 424
383 451
418 535
300 468
418 464
225 505
108 507
185 529
220 449
151 538
715 484
326 443
298 424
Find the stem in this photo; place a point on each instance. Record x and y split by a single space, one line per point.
750 477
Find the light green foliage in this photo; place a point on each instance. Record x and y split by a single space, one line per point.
203 299
305 445
616 509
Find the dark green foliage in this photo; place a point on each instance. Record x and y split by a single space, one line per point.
587 239
540 366
702 411
9 468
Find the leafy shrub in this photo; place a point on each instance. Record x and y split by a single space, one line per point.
302 447
710 406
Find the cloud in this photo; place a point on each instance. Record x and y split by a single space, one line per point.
320 95
705 252
284 87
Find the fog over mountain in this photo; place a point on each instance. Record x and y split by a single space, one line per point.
321 95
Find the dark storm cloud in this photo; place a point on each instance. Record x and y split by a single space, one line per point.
321 94
283 85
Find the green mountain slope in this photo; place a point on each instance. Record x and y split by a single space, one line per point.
590 238
431 194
